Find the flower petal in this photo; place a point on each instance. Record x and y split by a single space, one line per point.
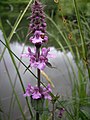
41 66
36 95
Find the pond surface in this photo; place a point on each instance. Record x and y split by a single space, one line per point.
59 76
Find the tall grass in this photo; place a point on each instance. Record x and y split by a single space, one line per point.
77 106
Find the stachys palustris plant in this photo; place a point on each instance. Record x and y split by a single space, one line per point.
39 58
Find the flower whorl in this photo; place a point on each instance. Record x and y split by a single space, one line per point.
37 24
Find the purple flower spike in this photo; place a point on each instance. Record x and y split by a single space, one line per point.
37 16
37 24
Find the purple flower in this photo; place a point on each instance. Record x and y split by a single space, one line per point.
29 90
30 53
46 92
48 88
38 37
32 91
42 60
45 51
37 93
61 111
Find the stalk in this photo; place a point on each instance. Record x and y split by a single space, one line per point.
38 70
53 110
37 116
38 74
